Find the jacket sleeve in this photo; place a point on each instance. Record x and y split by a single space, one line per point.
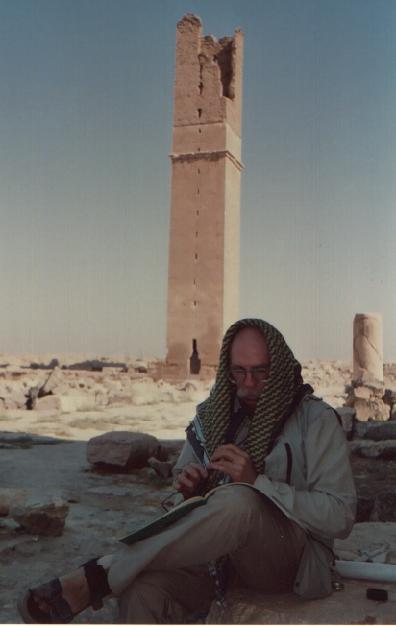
326 506
186 456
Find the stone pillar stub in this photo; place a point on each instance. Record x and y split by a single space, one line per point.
368 362
366 394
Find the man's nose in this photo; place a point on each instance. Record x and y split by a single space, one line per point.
250 380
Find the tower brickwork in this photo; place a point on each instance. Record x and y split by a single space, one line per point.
203 276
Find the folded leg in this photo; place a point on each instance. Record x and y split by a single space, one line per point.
237 520
166 597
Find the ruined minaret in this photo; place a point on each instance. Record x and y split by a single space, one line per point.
203 279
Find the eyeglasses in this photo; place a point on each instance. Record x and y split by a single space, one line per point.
259 373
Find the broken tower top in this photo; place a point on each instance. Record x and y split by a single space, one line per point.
211 92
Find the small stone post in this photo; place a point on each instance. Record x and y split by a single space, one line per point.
367 391
368 364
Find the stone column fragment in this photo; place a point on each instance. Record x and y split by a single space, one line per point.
368 362
366 395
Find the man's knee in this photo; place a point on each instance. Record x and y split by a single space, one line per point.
238 500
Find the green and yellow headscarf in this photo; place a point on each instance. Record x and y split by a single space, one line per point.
283 391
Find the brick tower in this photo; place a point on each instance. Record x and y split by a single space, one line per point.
203 276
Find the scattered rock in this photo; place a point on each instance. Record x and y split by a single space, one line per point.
364 508
389 397
161 468
364 541
141 367
374 449
13 544
42 366
374 408
26 440
48 403
66 403
41 516
120 399
384 508
95 365
169 449
8 498
379 431
122 449
16 401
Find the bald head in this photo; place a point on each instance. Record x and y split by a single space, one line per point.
249 344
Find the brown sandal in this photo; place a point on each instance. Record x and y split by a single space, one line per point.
59 609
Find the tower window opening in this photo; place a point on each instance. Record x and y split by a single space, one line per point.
195 361
199 112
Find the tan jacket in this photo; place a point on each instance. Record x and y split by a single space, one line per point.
308 476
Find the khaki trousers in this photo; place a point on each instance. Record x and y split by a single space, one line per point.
164 578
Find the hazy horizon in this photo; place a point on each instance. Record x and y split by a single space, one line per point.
86 121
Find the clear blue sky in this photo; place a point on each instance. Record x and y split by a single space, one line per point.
85 128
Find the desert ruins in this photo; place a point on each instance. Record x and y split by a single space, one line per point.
88 442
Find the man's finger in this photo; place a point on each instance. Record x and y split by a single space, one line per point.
195 470
230 469
228 455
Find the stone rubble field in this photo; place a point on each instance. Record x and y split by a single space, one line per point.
44 461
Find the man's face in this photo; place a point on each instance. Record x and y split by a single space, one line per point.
249 365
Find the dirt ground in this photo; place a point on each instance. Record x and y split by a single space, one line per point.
102 508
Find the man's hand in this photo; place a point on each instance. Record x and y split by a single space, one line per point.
189 478
234 462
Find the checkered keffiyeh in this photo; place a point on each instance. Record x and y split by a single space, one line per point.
283 391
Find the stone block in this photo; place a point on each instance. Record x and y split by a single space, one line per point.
161 468
16 401
123 449
10 497
374 449
373 408
169 449
364 508
362 392
379 431
71 403
48 403
384 508
44 515
390 397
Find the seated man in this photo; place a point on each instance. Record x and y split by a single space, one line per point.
261 427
